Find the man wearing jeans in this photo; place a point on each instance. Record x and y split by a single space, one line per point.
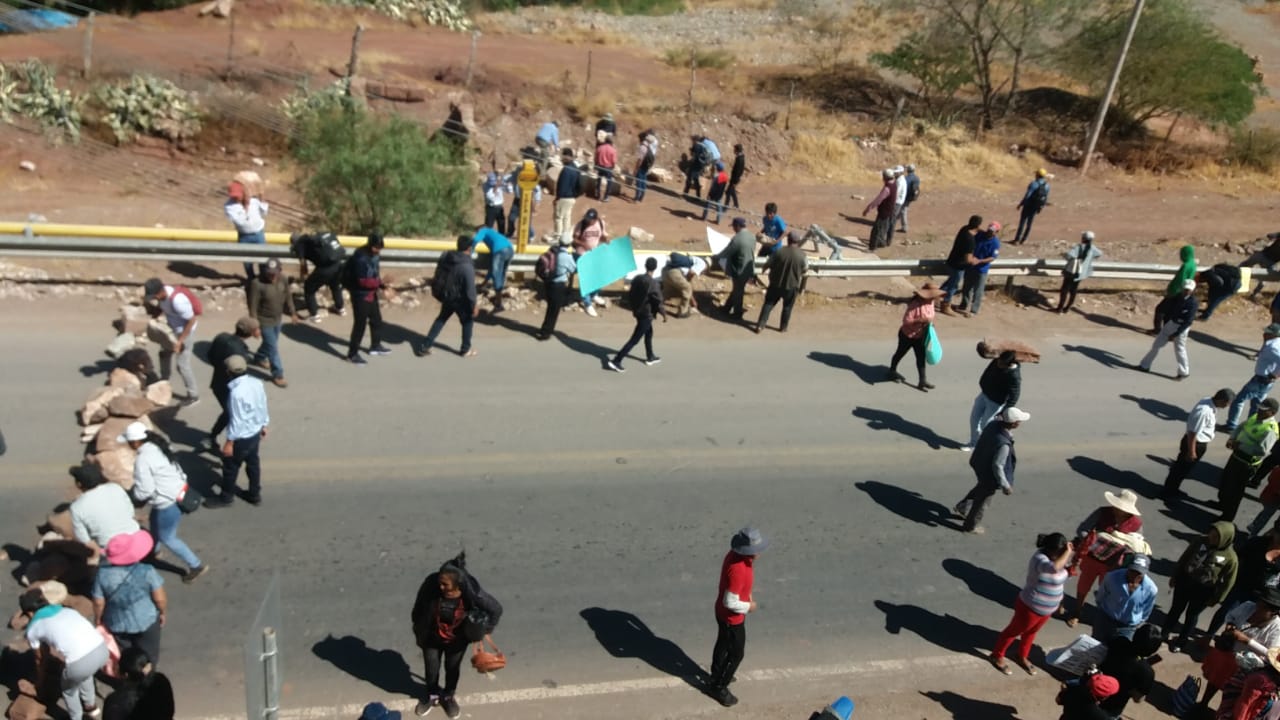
500 253
182 311
247 404
1000 387
1265 370
269 300
959 260
1177 312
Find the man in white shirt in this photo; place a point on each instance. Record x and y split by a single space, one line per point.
248 213
1201 422
103 511
899 195
182 311
1265 370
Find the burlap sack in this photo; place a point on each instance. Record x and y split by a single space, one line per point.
123 379
990 348
159 332
130 405
117 465
122 343
251 181
160 393
94 409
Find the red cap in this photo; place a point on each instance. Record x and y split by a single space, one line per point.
1103 686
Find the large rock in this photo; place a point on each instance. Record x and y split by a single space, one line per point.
159 332
117 465
122 380
95 407
640 235
130 405
160 393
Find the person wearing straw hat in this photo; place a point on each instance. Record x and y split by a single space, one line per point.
1176 314
1099 554
914 331
734 599
1248 695
1201 424
128 594
993 462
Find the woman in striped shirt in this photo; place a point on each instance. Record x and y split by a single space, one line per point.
1040 597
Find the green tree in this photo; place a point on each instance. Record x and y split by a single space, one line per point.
1176 65
361 172
938 61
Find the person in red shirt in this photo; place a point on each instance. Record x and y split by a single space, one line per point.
733 602
606 161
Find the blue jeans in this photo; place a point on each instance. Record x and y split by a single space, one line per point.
717 206
1253 392
1027 217
642 184
984 411
270 350
975 286
498 267
952 284
164 528
257 238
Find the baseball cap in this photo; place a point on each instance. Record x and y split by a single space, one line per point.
1042 172
247 326
994 226
1013 414
236 365
1269 404
1189 284
1139 563
739 222
133 433
152 287
375 240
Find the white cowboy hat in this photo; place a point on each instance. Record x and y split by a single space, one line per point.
1126 501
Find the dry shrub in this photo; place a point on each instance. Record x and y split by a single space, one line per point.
816 155
592 106
953 155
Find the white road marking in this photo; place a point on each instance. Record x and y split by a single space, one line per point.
563 692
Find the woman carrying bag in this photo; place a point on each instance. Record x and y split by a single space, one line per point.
160 482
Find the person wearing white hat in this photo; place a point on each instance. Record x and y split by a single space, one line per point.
1079 267
993 461
1099 555
1176 313
899 195
159 481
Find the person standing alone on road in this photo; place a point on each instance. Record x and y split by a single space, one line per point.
454 286
225 345
1201 422
247 406
959 260
558 287
1040 598
645 299
1175 313
269 300
325 254
999 387
1265 370
182 310
786 279
994 462
365 282
734 600
914 333
883 204
1033 201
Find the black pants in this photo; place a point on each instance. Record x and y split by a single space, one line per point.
644 330
731 647
731 195
329 275
494 217
148 641
556 295
1067 294
734 304
693 180
368 313
1235 477
605 178
974 505
771 298
1190 598
221 394
464 312
1182 466
450 655
916 345
243 452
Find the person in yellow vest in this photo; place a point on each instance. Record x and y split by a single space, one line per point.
1249 444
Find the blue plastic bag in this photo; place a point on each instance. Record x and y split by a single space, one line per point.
932 348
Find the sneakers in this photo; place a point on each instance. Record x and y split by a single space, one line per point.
653 361
615 367
450 707
357 359
341 313
723 696
601 301
423 708
316 319
194 573
218 501
379 350
591 311
966 448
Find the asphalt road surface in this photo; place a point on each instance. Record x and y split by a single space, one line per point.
597 508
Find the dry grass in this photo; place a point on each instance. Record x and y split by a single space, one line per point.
953 156
816 155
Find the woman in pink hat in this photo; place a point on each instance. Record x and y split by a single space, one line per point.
128 595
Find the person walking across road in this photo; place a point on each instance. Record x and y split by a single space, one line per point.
677 281
1098 549
1265 370
1033 201
1176 313
739 264
1040 598
325 254
56 633
645 298
913 193
248 213
735 176
1079 267
558 287
568 190
500 253
1125 599
1201 422
247 404
454 286
182 311
128 594
225 345
1249 444
999 387
985 251
1204 575
993 462
365 282
914 333
883 204
786 270
269 299
734 601
159 481
959 260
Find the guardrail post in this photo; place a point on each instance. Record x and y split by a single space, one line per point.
270 668
28 232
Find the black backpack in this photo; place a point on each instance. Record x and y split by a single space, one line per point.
444 284
347 275
328 249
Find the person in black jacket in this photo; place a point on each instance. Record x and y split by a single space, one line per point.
455 287
225 345
145 694
451 610
1174 316
364 282
1223 281
735 176
325 254
645 298
1129 662
1001 387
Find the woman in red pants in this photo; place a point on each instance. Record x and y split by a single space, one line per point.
1099 556
1040 597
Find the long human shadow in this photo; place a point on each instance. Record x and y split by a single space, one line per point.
1108 321
964 708
505 321
945 631
1159 408
1105 357
1219 344
1104 473
885 420
312 336
1205 473
624 635
99 367
386 670
869 374
192 270
908 504
856 220
982 582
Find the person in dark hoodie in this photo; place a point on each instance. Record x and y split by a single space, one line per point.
454 286
225 345
1000 387
451 610
1129 661
1206 573
145 694
363 281
645 299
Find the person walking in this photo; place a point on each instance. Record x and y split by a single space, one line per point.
128 594
1187 269
999 387
455 287
1265 370
735 176
1253 630
914 333
606 161
450 610
993 462
558 287
495 202
734 601
1176 313
1040 598
326 255
985 251
1033 201
739 264
646 156
159 481
500 253
913 193
225 345
182 310
1125 599
786 270
247 405
1079 267
677 281
1098 550
1249 444
959 260
55 633
269 300
715 195
145 693
645 298
1201 422
568 190
1204 575
588 234
365 283
248 213
883 203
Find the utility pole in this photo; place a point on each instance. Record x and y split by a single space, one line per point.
1111 88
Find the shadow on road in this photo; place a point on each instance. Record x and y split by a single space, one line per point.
624 635
963 708
1106 357
384 669
982 582
1220 344
309 334
908 504
1159 408
1102 472
945 631
868 374
1108 321
885 420
98 368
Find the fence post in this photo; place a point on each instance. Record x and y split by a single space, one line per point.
471 61
353 65
231 44
87 66
791 98
270 668
693 75
586 87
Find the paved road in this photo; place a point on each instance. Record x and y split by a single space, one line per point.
597 508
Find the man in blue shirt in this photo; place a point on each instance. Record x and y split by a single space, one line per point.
247 409
1125 600
772 227
1033 201
500 252
986 249
548 138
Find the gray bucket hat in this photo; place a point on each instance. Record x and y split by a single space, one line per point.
749 541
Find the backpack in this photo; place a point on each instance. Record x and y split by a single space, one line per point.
329 249
347 275
196 306
679 261
701 155
545 267
1041 197
1206 572
646 164
444 286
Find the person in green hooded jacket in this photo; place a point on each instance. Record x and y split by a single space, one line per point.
1206 573
1186 271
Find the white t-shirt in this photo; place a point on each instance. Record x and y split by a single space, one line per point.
177 309
900 190
67 632
1202 420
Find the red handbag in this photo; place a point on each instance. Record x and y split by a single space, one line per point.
483 660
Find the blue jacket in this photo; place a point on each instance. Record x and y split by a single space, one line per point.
367 274
987 246
568 185
1031 201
